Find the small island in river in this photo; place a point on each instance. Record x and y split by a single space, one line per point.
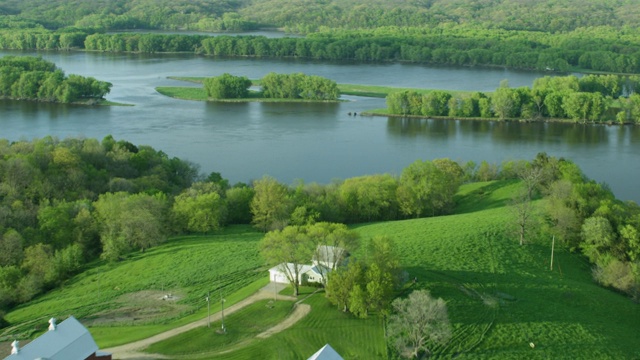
606 99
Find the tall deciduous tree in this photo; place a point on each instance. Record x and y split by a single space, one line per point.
200 208
270 205
289 249
366 198
130 221
341 283
227 86
418 320
598 236
428 187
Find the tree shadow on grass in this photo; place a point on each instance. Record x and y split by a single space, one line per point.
483 198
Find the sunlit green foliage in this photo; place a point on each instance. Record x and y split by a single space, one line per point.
32 78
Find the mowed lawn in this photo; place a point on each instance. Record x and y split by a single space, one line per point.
504 301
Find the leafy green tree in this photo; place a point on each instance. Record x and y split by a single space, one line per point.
200 208
289 249
598 237
270 205
418 321
11 248
368 198
227 86
238 200
130 221
340 284
427 187
380 286
398 102
436 103
358 302
506 101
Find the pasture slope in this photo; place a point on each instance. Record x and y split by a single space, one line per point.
502 297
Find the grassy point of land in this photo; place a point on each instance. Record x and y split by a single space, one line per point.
199 94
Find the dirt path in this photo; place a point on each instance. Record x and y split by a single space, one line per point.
133 350
300 311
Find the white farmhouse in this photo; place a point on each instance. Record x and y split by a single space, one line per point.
325 259
306 273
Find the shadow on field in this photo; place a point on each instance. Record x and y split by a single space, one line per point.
520 297
483 198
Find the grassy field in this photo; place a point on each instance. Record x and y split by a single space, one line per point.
240 326
502 297
352 338
111 297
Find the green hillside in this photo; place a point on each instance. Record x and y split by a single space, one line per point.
502 297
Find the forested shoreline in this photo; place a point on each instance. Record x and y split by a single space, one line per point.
556 36
603 49
591 98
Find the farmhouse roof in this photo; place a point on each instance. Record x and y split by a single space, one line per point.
328 254
326 353
69 340
291 268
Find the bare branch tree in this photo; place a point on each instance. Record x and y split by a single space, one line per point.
418 320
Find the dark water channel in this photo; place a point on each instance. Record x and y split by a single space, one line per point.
313 142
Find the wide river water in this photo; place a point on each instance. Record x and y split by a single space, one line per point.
312 142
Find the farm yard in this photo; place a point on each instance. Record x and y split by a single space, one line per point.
503 299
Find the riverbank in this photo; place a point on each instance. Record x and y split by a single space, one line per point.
88 102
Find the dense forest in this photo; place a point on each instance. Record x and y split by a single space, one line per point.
591 98
64 203
309 16
32 78
551 35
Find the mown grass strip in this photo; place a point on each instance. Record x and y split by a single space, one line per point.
244 324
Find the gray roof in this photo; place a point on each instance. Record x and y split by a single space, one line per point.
69 341
326 353
328 253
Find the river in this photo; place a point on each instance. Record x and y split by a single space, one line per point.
312 142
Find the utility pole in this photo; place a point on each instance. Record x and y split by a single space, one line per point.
553 243
208 299
224 330
275 289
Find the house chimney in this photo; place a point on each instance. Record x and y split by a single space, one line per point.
15 347
52 324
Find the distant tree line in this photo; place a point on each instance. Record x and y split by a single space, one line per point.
309 16
597 49
32 78
593 98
